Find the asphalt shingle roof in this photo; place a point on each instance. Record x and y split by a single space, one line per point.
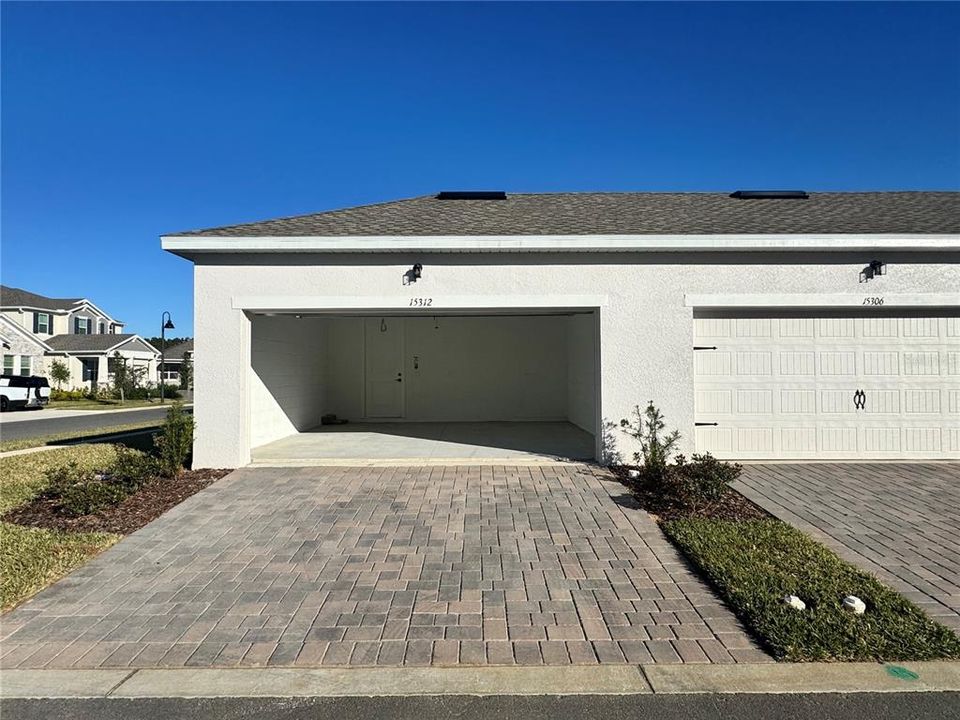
87 343
623 214
15 297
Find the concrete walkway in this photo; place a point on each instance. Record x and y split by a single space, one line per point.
899 521
415 441
439 566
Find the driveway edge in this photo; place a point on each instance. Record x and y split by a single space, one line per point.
782 678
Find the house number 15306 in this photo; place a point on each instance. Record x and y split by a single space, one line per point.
873 301
421 302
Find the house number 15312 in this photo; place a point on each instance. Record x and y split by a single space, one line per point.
421 302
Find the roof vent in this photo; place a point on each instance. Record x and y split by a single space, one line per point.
472 195
770 195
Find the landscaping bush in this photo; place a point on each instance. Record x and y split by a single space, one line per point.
753 564
686 488
175 441
72 395
132 468
699 485
81 491
647 427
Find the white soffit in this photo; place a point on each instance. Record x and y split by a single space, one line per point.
559 243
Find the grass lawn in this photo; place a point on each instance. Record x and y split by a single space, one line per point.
101 404
31 558
754 563
8 445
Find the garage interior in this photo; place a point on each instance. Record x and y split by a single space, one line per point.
514 385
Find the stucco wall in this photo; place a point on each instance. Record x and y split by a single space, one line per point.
581 371
645 328
286 376
468 368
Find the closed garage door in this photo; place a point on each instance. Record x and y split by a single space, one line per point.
828 385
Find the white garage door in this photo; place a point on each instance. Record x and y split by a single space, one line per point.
828 386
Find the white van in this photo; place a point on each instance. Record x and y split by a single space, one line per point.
23 391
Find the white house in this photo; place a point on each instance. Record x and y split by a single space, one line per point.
765 325
35 330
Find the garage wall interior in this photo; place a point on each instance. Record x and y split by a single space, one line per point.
444 368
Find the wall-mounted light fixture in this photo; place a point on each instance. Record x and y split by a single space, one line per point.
874 269
413 274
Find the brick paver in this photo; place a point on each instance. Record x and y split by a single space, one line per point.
899 521
385 566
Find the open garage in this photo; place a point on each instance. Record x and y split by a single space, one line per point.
521 383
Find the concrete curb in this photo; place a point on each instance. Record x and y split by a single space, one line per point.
780 678
106 437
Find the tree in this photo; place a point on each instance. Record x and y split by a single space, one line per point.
186 373
171 341
60 373
126 378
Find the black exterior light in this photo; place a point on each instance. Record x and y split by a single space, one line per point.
874 269
413 274
165 324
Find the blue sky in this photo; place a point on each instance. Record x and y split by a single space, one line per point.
124 121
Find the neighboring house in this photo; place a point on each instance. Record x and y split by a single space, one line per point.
764 325
173 358
36 330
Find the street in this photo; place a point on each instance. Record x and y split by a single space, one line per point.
23 424
877 706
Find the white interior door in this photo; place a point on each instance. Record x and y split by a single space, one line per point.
383 367
824 386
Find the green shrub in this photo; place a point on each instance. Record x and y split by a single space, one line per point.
81 491
647 428
698 485
175 440
133 468
72 395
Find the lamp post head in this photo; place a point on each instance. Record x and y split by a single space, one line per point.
168 325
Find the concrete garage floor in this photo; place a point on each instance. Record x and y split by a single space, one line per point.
471 441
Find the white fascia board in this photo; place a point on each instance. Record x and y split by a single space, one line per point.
559 243
87 305
865 299
294 303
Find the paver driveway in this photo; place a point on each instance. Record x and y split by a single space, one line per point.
385 566
900 521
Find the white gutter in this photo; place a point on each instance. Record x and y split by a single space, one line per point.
559 243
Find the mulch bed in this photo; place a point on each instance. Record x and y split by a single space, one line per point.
732 506
135 511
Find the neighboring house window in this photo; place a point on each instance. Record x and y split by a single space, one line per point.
81 326
8 364
43 323
89 368
100 329
24 364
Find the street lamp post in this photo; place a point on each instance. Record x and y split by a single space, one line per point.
165 324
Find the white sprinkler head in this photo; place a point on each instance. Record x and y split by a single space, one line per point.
854 604
794 602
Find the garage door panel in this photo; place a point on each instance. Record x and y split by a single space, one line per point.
881 386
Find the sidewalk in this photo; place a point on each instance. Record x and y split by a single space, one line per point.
781 678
